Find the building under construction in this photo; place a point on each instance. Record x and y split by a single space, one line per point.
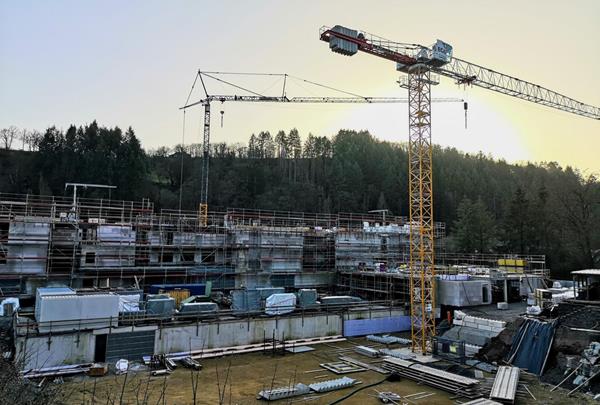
75 264
103 243
107 243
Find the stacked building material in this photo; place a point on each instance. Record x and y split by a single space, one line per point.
367 351
397 354
475 331
505 384
307 298
482 401
388 339
462 319
278 304
333 385
283 392
159 305
338 300
454 383
199 308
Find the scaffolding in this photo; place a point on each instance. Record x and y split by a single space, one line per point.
114 243
99 243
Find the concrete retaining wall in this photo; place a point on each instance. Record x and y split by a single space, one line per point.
73 348
242 332
57 350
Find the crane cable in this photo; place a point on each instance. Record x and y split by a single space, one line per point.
181 151
183 143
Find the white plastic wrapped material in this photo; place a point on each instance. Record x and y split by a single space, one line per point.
121 366
278 304
14 301
129 303
534 310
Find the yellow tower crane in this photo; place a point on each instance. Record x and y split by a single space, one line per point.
423 65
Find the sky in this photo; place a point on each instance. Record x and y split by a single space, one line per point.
132 63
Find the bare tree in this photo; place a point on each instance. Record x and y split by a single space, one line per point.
8 135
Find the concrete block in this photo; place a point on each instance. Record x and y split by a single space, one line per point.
484 327
502 305
470 324
458 322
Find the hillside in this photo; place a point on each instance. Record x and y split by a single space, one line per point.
488 205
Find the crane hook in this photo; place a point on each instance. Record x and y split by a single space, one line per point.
222 112
466 107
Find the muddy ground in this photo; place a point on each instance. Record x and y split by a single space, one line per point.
247 374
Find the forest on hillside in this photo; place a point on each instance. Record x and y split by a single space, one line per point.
488 205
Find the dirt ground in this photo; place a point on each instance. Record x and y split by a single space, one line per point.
237 380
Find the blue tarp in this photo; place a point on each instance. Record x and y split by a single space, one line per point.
360 327
530 345
195 289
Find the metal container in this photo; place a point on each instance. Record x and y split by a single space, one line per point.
76 312
163 307
199 307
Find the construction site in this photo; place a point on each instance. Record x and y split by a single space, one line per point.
120 302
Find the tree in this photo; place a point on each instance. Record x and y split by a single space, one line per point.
310 147
282 144
253 148
581 216
518 224
475 228
7 136
294 143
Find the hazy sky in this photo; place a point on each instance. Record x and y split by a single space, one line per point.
132 63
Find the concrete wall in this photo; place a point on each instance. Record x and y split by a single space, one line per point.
464 293
241 332
76 348
56 350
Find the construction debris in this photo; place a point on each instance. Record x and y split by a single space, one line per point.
388 396
505 384
588 365
98 370
56 371
158 373
121 366
191 363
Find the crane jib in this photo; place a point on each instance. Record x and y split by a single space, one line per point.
373 49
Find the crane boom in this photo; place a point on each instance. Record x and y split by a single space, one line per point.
206 102
419 62
407 55
470 73
312 100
